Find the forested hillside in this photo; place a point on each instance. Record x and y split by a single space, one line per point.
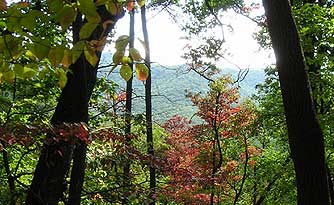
170 85
82 126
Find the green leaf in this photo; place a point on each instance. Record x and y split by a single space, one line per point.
29 19
40 49
55 5
13 23
90 55
62 77
126 72
122 42
19 70
77 50
88 8
9 76
66 16
87 29
135 55
28 72
56 55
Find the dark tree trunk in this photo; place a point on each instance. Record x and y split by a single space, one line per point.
148 104
305 136
128 116
49 183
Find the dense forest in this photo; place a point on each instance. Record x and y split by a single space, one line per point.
79 125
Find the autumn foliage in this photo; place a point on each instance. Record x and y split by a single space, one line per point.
208 161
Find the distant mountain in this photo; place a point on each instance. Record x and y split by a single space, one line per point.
169 86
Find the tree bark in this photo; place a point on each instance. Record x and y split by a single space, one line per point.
305 136
49 183
148 105
128 118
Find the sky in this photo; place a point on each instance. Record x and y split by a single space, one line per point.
167 43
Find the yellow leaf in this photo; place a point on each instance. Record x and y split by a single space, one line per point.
67 59
90 55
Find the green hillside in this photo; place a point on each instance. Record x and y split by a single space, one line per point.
169 86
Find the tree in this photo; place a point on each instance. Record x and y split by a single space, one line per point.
91 23
305 136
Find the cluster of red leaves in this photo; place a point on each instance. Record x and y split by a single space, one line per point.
186 175
189 161
25 134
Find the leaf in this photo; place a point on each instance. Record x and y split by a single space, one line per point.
55 5
67 59
28 72
40 49
66 16
77 50
9 76
135 55
126 72
87 29
117 57
113 7
88 8
130 5
55 56
29 19
62 78
90 55
18 69
122 42
141 3
142 71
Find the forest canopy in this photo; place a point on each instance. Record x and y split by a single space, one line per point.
75 129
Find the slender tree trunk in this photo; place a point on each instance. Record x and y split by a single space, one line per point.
148 103
10 178
128 117
305 136
49 183
330 184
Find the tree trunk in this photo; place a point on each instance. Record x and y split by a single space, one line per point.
305 136
128 117
49 183
148 104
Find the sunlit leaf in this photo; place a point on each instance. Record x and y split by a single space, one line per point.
28 72
142 71
90 55
117 57
135 55
67 59
88 8
62 78
141 3
122 42
87 29
126 72
77 50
